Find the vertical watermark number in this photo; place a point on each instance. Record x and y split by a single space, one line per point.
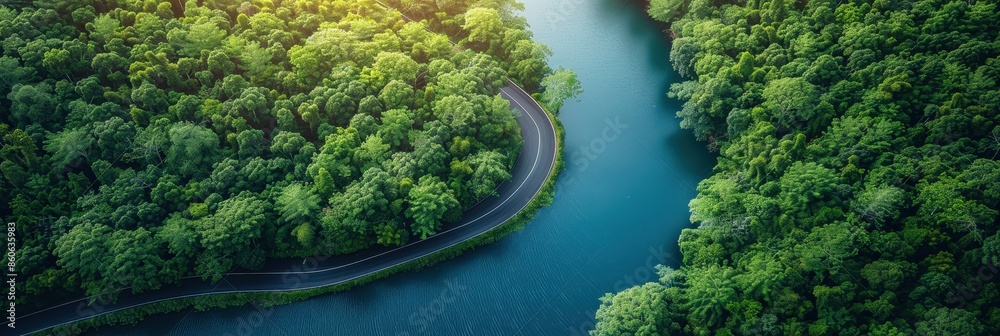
11 274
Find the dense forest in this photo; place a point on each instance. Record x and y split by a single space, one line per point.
857 188
148 140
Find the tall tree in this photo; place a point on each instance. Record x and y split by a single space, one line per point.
429 201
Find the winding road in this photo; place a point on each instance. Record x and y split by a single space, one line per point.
532 168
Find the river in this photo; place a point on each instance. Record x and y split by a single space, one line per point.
619 208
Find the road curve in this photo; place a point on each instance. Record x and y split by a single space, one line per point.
532 168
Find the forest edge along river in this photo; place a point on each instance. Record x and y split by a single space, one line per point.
531 171
613 218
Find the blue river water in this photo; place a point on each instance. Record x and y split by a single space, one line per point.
620 206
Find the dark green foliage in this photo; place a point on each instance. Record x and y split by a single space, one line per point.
856 190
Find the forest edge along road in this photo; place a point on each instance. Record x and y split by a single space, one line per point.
530 173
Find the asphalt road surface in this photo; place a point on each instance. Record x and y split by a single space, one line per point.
532 169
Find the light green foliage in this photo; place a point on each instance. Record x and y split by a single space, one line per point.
103 28
431 158
390 66
82 250
488 171
297 204
372 151
304 234
667 10
639 310
528 63
192 149
255 59
396 95
483 25
791 101
559 86
807 184
67 146
98 253
219 62
150 97
356 210
429 201
335 156
288 144
203 35
324 183
233 226
456 112
878 204
396 124
710 290
57 61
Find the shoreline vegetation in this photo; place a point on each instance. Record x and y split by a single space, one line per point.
857 189
144 142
